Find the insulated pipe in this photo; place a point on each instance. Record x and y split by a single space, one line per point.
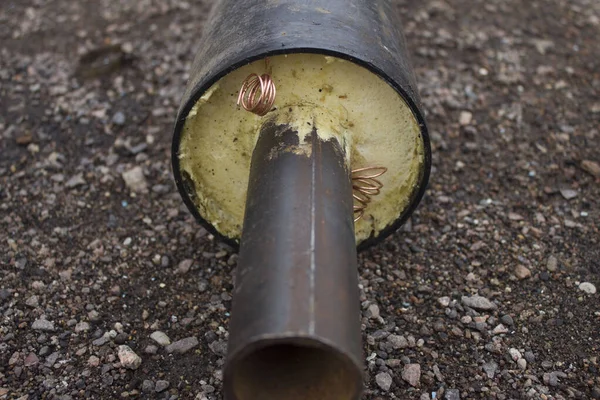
295 330
325 97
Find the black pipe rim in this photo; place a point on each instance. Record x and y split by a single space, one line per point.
201 88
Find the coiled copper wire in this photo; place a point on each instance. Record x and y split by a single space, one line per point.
364 186
257 94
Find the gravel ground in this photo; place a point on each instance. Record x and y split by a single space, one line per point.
109 289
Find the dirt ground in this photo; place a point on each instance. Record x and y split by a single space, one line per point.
512 94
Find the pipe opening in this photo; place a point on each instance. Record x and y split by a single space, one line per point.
295 372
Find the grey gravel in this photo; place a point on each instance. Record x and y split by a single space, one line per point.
478 303
182 346
384 381
452 394
43 325
161 386
412 374
587 287
147 386
128 358
135 180
397 341
161 338
490 369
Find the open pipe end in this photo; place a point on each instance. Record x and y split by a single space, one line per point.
294 371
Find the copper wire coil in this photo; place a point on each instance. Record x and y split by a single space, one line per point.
364 186
257 94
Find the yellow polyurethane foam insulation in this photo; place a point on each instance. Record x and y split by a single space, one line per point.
343 99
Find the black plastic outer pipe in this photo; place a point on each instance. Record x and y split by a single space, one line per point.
295 330
366 32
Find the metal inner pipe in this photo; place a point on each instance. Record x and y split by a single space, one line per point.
295 328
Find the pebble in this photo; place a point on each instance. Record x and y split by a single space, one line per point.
76 180
551 378
161 338
373 311
522 363
182 346
118 118
591 167
522 272
31 360
587 287
529 356
147 386
412 374
596 392
135 180
397 342
161 386
43 325
466 117
33 301
499 329
184 266
568 194
478 303
507 320
93 361
82 327
514 354
384 381
452 394
552 264
128 358
151 349
444 301
490 369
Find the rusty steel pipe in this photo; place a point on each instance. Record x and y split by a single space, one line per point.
295 330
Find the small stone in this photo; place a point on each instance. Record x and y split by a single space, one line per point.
550 378
490 369
529 356
373 311
452 394
596 392
522 363
135 180
507 320
466 117
147 386
118 118
31 360
552 264
33 301
101 341
444 301
161 338
587 287
522 272
128 358
82 327
93 361
161 386
121 338
43 325
151 349
182 346
412 374
184 266
514 354
591 167
478 303
397 341
568 194
76 180
384 381
499 329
